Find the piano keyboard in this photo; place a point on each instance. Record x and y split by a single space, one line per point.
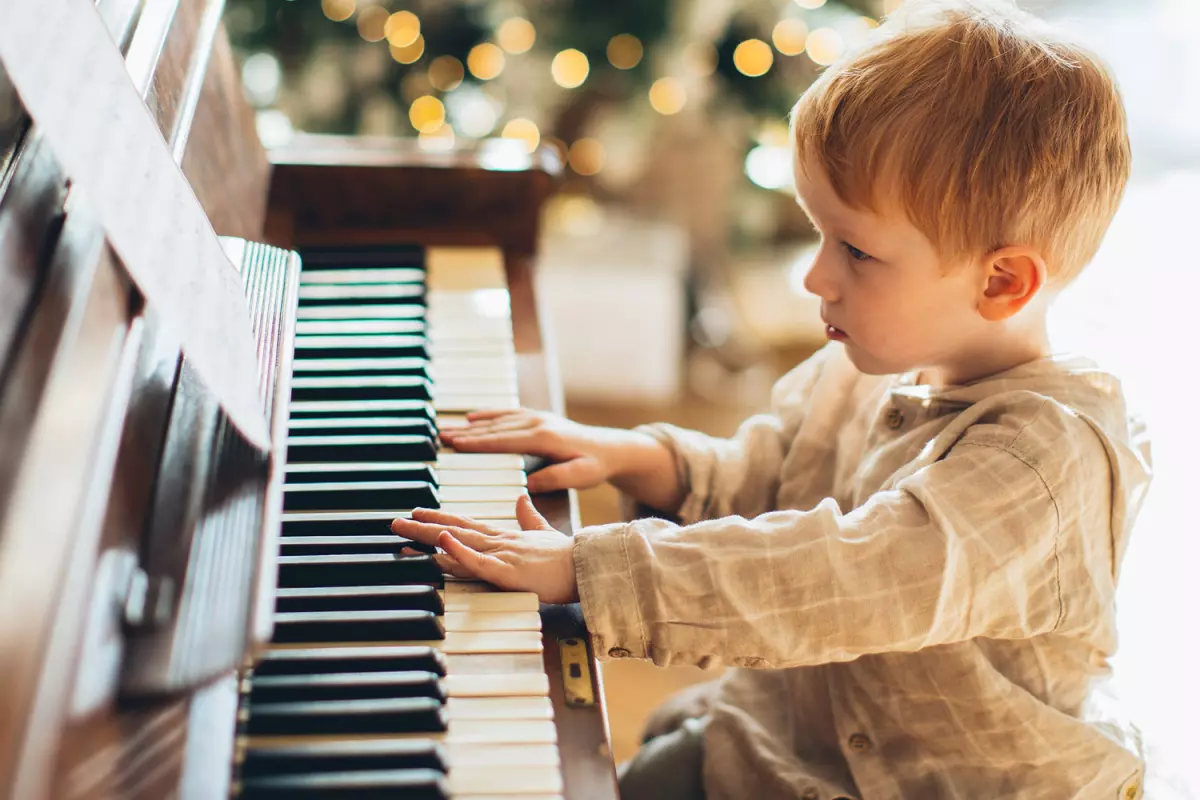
384 677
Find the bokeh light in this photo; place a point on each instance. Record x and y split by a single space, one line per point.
668 96
516 35
753 57
624 51
338 10
402 29
824 46
523 129
485 61
569 68
427 114
789 36
371 22
410 53
586 156
446 73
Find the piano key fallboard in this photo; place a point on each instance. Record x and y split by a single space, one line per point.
383 677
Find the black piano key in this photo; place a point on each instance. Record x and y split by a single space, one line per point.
358 496
410 471
333 545
334 756
346 717
361 387
416 409
358 570
396 658
343 256
415 784
372 274
360 598
344 686
308 449
348 523
363 366
390 425
361 346
314 627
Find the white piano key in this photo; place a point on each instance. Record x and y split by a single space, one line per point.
490 601
508 684
481 477
452 460
310 277
505 781
463 642
481 494
502 755
475 620
499 708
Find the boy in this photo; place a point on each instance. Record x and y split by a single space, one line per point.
914 556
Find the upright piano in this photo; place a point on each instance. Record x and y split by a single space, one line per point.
183 615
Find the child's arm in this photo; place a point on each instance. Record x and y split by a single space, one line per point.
587 455
969 546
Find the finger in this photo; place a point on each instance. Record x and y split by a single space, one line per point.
474 563
450 566
428 533
567 475
435 517
492 413
528 516
515 442
499 426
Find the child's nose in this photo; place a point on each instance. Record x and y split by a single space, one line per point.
819 279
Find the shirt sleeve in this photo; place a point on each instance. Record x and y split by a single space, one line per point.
740 474
968 546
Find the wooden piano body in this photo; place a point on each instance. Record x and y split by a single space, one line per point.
86 386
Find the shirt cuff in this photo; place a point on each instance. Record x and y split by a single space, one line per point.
607 594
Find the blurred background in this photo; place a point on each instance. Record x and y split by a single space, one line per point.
673 254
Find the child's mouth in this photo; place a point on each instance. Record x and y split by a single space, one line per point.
836 334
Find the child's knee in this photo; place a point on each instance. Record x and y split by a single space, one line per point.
667 767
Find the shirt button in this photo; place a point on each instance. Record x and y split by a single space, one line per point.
859 742
894 418
618 652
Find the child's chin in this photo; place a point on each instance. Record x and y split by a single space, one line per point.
867 363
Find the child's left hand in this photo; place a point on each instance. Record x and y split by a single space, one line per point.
536 558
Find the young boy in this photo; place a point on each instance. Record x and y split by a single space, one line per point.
913 556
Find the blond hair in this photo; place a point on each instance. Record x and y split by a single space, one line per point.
990 129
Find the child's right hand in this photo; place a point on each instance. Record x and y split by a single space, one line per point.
586 455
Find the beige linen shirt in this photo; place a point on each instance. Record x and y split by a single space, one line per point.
917 583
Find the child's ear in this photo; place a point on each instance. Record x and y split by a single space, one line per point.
1011 278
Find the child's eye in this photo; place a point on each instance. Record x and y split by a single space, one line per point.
855 253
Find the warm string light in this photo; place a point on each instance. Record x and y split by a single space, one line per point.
586 156
570 68
753 57
789 36
624 51
446 73
427 114
338 10
524 130
824 46
410 53
371 23
516 35
402 29
668 96
485 61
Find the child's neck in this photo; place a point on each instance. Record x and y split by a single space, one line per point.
989 357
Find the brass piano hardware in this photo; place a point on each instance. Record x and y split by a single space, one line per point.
576 672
